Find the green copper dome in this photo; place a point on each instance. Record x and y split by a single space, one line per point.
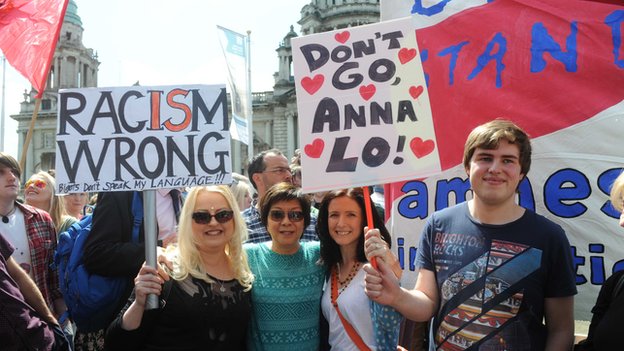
71 15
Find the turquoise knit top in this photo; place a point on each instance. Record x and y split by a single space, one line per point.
286 296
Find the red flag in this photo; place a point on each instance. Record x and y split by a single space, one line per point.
29 31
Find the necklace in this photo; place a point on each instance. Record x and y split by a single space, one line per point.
344 283
5 218
222 289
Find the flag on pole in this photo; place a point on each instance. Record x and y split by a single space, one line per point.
29 31
236 60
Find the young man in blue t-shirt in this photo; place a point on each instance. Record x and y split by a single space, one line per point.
493 275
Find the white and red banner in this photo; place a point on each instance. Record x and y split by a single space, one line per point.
555 68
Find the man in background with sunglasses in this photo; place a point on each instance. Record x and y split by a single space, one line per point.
32 234
266 169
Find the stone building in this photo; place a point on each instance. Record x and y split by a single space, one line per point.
275 123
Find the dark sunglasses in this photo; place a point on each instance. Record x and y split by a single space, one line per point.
293 216
222 216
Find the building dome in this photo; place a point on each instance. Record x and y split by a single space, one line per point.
71 15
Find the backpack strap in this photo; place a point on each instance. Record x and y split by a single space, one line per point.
137 215
618 287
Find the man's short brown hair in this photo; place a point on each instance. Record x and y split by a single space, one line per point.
487 136
8 161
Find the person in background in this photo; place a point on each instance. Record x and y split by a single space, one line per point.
295 170
26 323
75 204
241 189
353 319
608 313
265 170
288 276
492 274
40 192
32 234
208 304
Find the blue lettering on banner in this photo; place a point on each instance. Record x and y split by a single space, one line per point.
563 185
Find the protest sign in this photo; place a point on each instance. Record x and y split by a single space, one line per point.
139 138
556 68
364 115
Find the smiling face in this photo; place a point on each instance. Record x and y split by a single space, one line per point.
38 193
495 174
345 221
212 235
285 233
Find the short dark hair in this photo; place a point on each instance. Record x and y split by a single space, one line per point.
284 192
330 250
8 161
257 165
487 136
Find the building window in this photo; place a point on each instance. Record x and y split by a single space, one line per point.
46 104
48 140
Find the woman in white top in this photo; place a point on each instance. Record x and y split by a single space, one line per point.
355 322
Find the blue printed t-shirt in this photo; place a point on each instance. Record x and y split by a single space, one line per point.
493 279
285 297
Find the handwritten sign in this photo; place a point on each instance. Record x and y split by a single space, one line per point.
556 68
364 114
138 138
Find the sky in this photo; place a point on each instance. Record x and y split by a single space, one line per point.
159 42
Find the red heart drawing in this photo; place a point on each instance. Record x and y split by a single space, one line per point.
406 55
422 148
342 37
312 85
416 91
367 91
315 149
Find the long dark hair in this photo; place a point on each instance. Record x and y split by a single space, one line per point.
330 251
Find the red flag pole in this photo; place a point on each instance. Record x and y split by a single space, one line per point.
29 134
369 217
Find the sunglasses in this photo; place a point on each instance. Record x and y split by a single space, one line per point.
293 216
222 216
38 183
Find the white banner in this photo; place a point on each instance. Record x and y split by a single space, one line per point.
139 138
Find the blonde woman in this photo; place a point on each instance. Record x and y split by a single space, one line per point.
207 304
39 192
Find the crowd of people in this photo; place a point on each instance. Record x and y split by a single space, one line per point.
260 265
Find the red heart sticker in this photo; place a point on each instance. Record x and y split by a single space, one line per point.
416 91
422 148
312 85
342 37
367 91
315 149
406 55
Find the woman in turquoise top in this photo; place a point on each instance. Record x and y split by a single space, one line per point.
288 276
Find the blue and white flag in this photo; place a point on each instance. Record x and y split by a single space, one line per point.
235 52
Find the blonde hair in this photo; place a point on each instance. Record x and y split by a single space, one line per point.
57 206
241 189
617 193
187 259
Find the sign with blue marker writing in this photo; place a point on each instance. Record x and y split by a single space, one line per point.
556 68
140 138
364 115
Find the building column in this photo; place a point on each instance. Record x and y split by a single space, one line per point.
290 134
